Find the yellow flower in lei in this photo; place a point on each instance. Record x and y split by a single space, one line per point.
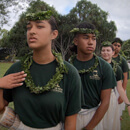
57 77
89 69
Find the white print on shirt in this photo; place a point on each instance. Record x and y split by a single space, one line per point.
95 75
58 89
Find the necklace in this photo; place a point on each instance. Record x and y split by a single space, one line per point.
120 59
114 66
89 69
53 83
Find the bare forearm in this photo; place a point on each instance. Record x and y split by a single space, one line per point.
2 102
70 122
121 92
124 84
99 114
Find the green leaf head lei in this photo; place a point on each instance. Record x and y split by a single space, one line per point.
52 83
41 15
106 43
85 31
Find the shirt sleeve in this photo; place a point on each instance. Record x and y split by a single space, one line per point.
74 93
119 73
109 80
124 66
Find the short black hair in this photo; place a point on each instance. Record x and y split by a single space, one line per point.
85 24
117 40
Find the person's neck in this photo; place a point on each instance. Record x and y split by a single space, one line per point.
43 57
109 61
84 57
115 55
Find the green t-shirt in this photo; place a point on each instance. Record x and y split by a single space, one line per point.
49 108
94 82
122 63
118 73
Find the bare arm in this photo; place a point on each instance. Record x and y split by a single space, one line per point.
122 94
100 112
124 84
8 82
125 80
3 103
70 122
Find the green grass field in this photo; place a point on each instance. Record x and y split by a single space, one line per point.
125 123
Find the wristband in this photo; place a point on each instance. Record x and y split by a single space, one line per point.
127 105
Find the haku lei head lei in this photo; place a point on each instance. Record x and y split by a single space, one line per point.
41 15
106 43
85 31
53 83
91 69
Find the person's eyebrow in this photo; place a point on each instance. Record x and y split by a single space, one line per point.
39 21
88 35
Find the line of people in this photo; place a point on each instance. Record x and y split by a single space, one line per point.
52 94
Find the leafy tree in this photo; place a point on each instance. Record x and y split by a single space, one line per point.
86 11
126 49
83 11
11 6
16 38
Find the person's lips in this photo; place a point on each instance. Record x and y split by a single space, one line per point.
90 48
32 39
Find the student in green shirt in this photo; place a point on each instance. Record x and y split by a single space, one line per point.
96 75
51 93
111 120
117 44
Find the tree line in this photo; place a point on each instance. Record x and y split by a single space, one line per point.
15 39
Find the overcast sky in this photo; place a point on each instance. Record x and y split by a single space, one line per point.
119 12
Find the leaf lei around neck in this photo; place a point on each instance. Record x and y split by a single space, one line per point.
115 65
120 59
53 83
89 69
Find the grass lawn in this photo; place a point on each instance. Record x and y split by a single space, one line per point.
125 123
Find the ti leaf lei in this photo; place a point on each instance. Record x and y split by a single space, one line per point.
114 66
120 59
89 69
53 83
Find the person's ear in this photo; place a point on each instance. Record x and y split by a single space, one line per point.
54 34
75 41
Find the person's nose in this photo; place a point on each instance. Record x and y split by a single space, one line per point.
32 30
90 41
